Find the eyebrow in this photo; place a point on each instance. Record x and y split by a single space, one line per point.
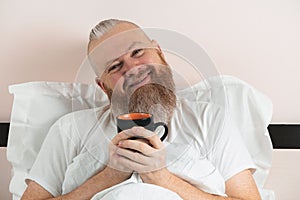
133 44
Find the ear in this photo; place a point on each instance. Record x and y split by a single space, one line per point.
100 84
154 43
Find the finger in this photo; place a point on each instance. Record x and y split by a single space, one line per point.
138 167
134 156
123 135
130 164
152 137
129 133
137 145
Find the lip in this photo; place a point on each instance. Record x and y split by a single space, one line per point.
141 81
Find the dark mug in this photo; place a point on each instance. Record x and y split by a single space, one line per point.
127 121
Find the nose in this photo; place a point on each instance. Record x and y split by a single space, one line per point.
131 67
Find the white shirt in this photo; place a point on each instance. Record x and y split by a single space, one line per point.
199 149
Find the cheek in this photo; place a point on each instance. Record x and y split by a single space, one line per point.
115 81
152 61
152 58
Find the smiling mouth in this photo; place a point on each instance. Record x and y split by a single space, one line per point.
144 79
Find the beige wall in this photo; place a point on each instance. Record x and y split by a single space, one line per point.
257 41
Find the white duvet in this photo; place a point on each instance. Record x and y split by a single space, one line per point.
199 172
134 189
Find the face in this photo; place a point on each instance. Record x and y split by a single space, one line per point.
132 70
139 81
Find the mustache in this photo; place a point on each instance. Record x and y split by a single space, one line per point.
137 77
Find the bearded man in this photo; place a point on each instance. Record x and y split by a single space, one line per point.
83 157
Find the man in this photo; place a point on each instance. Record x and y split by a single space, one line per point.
136 78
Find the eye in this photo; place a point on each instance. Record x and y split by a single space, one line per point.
137 52
114 67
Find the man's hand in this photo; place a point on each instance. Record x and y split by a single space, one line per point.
114 158
146 156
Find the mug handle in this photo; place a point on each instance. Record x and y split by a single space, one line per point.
166 129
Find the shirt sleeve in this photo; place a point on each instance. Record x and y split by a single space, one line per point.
229 154
56 153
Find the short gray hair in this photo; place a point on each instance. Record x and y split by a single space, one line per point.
103 27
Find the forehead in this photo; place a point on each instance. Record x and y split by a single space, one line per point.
117 42
113 32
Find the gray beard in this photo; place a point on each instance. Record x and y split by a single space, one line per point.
150 98
154 99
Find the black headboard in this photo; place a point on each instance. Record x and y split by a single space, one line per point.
283 136
4 129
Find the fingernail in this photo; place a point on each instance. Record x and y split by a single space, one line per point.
136 129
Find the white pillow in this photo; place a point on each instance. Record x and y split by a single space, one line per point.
36 106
